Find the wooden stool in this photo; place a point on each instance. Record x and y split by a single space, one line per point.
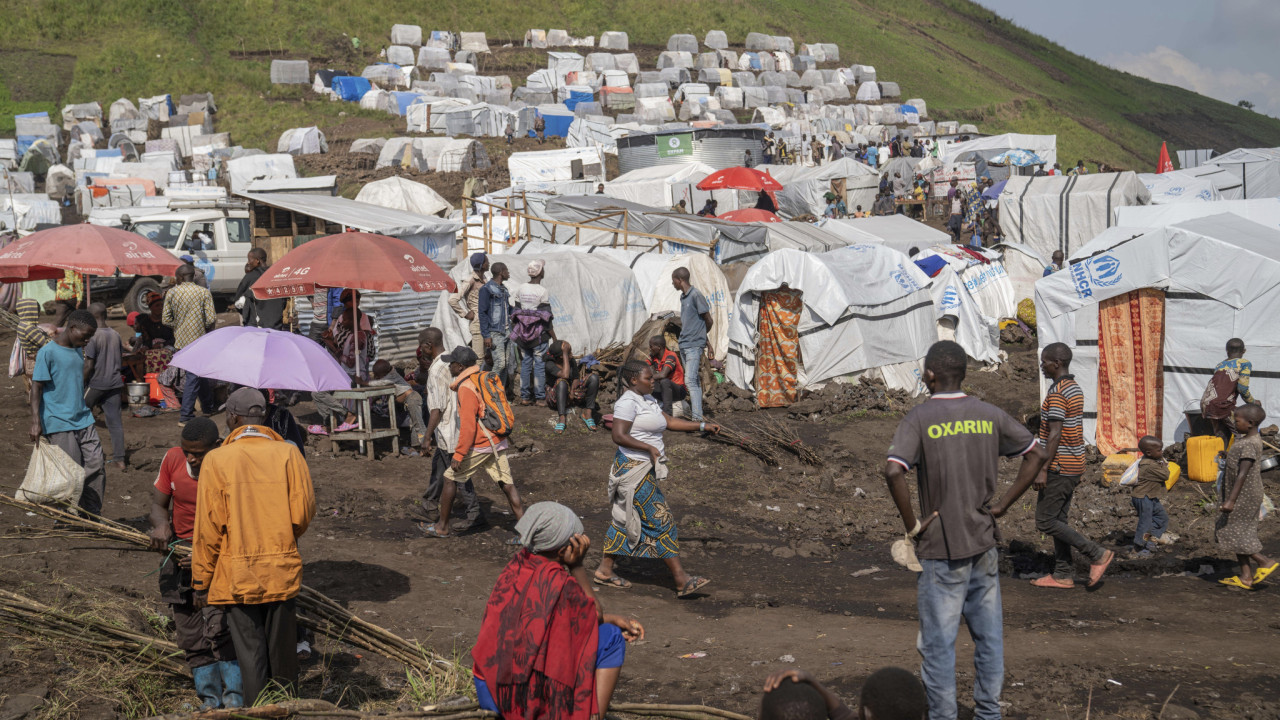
366 434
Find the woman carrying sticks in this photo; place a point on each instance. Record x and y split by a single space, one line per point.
643 525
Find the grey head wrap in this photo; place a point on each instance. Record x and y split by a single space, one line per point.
547 526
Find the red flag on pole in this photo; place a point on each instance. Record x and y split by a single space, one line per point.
1165 164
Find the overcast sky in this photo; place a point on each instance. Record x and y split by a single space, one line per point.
1226 49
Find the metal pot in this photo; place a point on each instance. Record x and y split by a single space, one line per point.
1269 463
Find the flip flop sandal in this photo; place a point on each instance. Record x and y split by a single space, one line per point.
1263 573
611 581
1097 570
430 531
317 430
559 428
1234 581
1049 581
591 424
694 585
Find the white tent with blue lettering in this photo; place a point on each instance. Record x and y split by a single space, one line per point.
868 311
653 275
1220 276
596 300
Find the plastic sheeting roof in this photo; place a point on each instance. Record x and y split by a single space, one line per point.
400 193
358 215
894 231
1263 211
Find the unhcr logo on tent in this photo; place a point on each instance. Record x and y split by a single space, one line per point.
594 311
950 298
1101 271
904 280
1105 270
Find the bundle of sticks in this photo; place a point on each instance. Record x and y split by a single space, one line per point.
25 330
730 436
611 358
316 611
787 439
92 633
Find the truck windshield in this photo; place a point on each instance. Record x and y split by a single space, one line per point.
164 233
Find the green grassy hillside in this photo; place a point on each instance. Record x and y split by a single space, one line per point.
964 61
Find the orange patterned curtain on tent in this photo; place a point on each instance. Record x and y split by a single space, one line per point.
1130 369
778 352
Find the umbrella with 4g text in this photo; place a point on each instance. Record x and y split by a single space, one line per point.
357 260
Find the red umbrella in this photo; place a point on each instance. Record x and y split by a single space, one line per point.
84 248
740 178
749 215
363 261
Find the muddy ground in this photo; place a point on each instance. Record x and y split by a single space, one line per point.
799 559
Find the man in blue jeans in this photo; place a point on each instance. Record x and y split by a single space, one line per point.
955 443
495 320
695 322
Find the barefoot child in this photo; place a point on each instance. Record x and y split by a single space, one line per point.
1241 496
1148 491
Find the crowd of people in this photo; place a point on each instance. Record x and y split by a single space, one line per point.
240 503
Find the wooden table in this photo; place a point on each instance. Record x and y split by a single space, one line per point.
924 205
366 434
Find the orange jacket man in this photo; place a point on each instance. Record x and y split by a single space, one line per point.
255 499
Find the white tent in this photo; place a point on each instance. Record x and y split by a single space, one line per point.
1045 146
406 34
1265 211
403 194
961 319
475 42
894 231
302 141
556 165
1207 183
1024 266
596 301
868 91
1064 212
867 310
662 186
613 40
1257 168
653 276
1221 279
804 187
245 169
462 155
987 282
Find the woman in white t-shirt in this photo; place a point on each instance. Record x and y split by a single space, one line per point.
643 525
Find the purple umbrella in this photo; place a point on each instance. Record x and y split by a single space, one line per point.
262 358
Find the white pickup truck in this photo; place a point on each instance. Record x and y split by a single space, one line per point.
218 237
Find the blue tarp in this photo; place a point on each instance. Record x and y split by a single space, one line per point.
25 142
404 100
1020 158
575 97
557 125
754 59
351 88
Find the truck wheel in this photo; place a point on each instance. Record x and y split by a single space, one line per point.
134 299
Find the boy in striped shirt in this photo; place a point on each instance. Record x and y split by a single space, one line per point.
1062 434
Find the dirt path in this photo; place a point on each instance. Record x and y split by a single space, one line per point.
788 550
